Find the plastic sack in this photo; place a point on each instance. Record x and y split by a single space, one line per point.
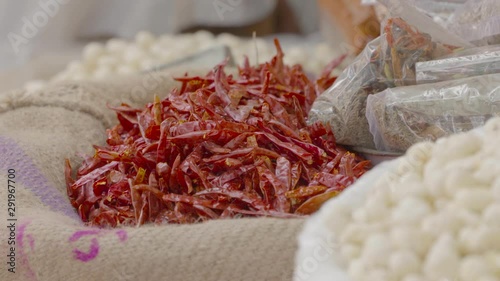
478 22
319 244
332 248
386 62
463 64
401 117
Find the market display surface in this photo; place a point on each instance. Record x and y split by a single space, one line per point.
218 147
242 158
431 215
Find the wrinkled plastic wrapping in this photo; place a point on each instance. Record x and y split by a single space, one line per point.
386 62
401 117
463 64
439 10
417 13
478 22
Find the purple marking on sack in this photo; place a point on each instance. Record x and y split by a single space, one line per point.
79 234
91 254
94 244
14 157
31 241
23 258
122 235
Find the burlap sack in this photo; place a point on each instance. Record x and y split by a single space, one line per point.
39 130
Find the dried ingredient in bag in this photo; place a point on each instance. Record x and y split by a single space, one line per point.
461 64
403 116
387 62
218 147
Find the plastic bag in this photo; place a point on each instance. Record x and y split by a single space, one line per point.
439 10
388 61
401 117
463 64
409 11
478 22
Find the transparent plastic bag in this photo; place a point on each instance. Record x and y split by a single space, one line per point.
386 62
401 117
462 64
439 10
411 11
478 22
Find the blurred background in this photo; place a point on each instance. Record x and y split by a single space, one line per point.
46 40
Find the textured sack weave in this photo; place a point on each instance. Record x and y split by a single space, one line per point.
39 130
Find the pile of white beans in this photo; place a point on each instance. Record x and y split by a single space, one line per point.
118 56
437 218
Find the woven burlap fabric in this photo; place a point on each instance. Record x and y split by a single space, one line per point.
38 130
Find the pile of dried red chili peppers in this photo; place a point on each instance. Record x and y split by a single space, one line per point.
218 147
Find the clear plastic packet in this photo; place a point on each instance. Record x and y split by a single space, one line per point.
462 64
401 117
386 62
478 22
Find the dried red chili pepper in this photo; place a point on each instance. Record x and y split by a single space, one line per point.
219 147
